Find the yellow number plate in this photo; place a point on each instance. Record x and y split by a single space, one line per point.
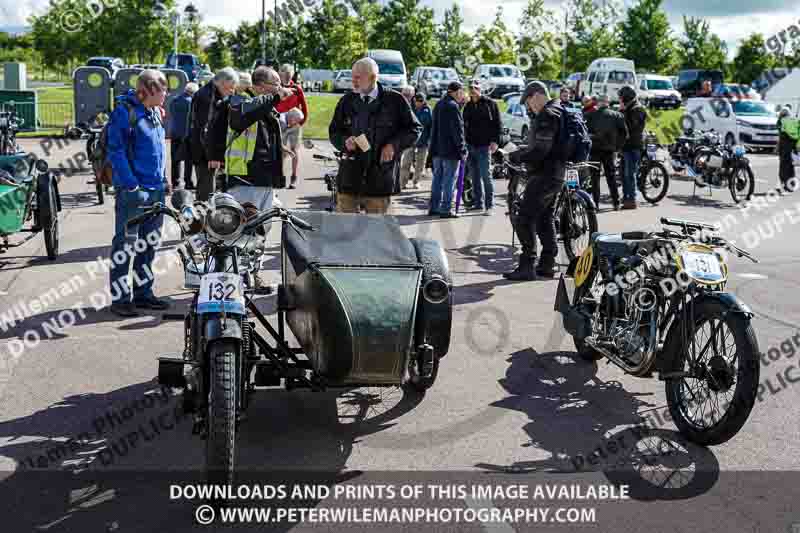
583 267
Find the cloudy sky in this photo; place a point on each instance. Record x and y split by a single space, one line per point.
730 19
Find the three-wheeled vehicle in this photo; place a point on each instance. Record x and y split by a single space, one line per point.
28 194
367 305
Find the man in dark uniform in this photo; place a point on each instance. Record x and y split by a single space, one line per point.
545 166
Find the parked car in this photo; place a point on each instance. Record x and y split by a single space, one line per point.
748 122
516 120
501 79
111 64
343 81
690 81
736 91
553 85
189 63
391 68
607 75
511 98
433 81
574 82
144 66
658 92
204 76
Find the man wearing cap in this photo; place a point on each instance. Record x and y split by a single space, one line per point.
545 166
448 149
609 133
482 128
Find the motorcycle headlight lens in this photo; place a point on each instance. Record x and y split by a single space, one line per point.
224 222
436 290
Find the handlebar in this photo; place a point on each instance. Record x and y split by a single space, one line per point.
686 224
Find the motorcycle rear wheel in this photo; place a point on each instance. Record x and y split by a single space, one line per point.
739 375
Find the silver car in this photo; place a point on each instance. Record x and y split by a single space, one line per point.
516 120
343 81
433 81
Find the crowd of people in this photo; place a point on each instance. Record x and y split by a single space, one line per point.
242 127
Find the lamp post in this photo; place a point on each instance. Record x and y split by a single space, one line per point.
188 16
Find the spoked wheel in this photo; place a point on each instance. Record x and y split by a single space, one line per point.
742 184
654 182
221 417
577 227
712 406
47 206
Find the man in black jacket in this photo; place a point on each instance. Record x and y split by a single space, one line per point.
384 119
210 128
609 133
255 153
545 165
448 149
482 127
635 120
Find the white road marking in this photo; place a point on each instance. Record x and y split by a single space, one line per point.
490 527
751 275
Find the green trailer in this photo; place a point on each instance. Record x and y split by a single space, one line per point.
29 202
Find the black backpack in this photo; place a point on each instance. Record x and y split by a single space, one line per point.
101 164
574 138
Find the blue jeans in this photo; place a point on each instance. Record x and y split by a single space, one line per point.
631 169
137 244
445 174
478 168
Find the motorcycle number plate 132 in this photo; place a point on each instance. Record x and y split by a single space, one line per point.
220 291
702 266
572 179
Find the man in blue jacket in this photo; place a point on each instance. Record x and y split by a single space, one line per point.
448 148
136 150
180 145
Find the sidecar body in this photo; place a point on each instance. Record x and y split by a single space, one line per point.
363 300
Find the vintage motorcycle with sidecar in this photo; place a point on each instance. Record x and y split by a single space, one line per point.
367 305
28 194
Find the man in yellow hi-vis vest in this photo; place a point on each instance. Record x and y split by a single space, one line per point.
254 158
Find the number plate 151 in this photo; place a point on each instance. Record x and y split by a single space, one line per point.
572 179
220 291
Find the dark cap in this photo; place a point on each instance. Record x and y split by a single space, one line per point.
454 86
534 87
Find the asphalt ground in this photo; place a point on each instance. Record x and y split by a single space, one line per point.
511 396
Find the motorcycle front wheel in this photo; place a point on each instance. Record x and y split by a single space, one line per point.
576 225
742 183
221 418
712 406
653 181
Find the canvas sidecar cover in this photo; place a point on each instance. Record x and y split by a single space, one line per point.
352 286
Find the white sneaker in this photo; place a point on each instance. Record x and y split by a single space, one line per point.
415 186
487 212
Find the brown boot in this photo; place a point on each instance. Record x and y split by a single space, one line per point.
629 204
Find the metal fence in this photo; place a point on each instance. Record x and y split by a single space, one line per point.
45 115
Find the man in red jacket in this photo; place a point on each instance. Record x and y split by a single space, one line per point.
298 99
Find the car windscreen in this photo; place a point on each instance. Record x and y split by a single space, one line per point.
659 85
185 61
99 63
504 72
620 76
749 107
392 69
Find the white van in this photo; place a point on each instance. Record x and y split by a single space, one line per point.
391 68
658 92
607 75
749 122
785 91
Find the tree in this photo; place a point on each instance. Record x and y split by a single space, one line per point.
591 33
752 59
494 44
539 49
453 41
218 52
700 48
646 37
407 26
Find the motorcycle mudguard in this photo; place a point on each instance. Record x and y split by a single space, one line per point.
731 303
215 331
